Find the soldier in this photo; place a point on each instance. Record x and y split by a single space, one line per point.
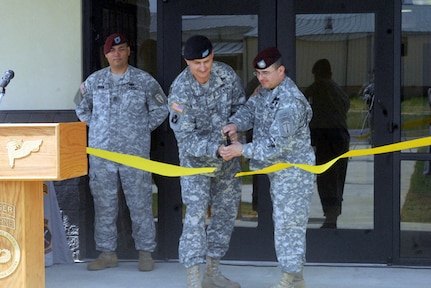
201 99
279 115
121 105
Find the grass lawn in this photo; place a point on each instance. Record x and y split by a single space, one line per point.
417 206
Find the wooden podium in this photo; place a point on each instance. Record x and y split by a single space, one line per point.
29 155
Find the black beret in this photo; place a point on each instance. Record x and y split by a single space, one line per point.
197 47
266 58
113 40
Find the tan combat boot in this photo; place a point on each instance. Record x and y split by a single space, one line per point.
286 281
105 260
298 280
213 277
146 262
194 277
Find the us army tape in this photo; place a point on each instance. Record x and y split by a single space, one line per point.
171 170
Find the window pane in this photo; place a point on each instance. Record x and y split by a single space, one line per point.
415 71
415 209
346 41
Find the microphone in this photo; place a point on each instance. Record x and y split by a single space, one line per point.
7 76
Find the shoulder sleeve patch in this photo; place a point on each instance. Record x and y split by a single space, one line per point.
160 99
285 123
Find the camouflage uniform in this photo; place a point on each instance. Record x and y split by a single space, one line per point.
280 119
197 116
120 116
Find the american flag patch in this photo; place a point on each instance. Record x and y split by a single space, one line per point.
177 107
83 89
257 90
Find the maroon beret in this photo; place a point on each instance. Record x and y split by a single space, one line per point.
113 40
266 58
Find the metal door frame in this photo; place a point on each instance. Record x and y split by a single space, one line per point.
246 243
277 27
376 245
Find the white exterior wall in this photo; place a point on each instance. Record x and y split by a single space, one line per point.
41 41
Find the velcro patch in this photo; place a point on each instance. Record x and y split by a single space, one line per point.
160 99
285 123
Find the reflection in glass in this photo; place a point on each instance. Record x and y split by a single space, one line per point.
234 39
415 123
347 41
137 20
416 71
415 211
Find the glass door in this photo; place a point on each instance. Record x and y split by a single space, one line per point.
340 44
346 43
233 29
414 217
384 213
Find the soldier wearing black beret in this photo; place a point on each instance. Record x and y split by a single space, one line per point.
201 99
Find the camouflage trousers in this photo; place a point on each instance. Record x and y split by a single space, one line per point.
106 178
291 193
222 192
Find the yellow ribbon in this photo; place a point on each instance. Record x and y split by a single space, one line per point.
171 170
163 169
318 169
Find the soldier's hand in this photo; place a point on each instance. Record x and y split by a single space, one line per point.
231 130
231 151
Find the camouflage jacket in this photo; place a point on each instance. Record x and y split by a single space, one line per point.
121 115
279 119
197 114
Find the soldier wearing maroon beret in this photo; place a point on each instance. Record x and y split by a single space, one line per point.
279 115
121 105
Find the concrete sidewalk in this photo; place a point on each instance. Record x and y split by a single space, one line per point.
171 274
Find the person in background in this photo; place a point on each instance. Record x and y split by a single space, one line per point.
201 100
330 137
279 115
121 105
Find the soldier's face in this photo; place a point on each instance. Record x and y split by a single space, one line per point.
118 57
201 68
270 77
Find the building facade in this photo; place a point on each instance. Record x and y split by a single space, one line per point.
386 217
